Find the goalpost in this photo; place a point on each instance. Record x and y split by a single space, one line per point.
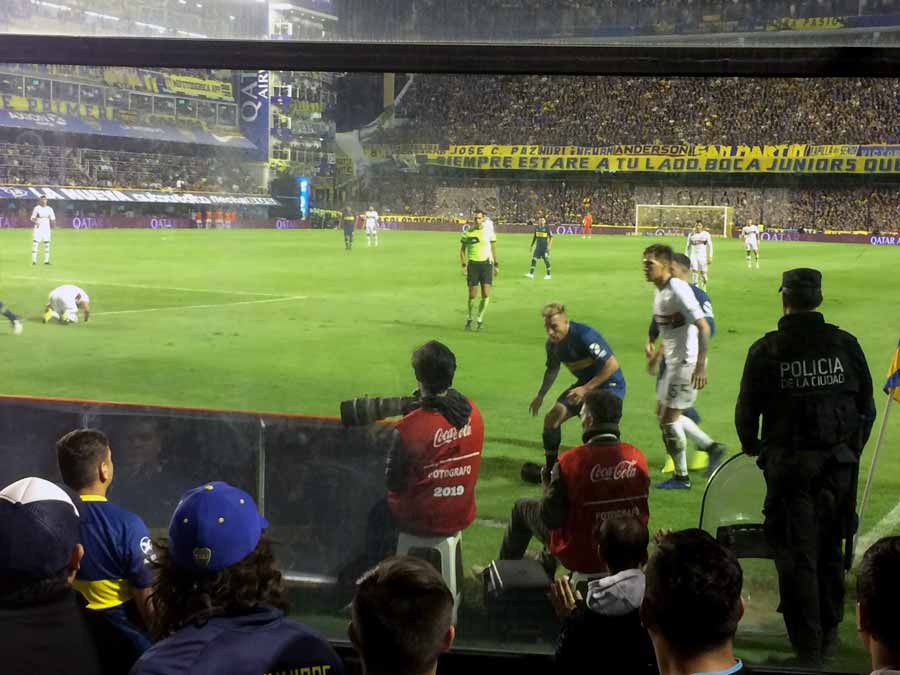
663 219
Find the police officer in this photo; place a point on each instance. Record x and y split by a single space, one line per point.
810 382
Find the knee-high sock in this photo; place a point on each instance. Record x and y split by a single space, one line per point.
34 250
7 313
482 308
471 308
676 444
533 264
695 433
46 251
547 260
552 438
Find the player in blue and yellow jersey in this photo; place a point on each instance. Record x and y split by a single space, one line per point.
708 449
115 574
14 319
589 358
541 242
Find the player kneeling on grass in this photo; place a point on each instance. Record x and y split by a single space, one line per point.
14 319
685 337
64 303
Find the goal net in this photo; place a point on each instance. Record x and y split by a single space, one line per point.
664 219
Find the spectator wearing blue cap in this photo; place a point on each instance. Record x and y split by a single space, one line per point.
218 598
44 627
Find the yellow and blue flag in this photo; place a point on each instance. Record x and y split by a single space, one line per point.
893 377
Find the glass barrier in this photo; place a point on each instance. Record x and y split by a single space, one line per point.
737 22
254 247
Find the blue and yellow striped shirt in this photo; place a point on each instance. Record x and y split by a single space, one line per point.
117 551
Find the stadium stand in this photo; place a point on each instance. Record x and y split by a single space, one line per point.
841 209
24 164
597 111
526 19
152 18
187 98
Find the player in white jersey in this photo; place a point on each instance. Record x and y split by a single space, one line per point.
371 217
750 235
43 218
685 338
698 243
64 302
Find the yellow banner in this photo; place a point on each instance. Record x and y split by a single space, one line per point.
790 159
199 87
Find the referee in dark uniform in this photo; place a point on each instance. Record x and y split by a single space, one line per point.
810 383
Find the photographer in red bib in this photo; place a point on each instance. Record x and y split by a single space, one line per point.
433 459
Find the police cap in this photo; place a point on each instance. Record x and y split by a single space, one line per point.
802 278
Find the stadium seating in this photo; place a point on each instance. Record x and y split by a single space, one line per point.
848 209
23 164
600 111
530 19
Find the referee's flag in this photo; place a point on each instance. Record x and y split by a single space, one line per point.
893 376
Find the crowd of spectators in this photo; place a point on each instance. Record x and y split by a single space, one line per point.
857 209
26 164
468 20
602 111
217 595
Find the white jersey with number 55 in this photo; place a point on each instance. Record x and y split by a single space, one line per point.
675 309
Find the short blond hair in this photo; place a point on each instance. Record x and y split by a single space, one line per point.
552 309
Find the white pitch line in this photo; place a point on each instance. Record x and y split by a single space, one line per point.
883 527
145 287
176 308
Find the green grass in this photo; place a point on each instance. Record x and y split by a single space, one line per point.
297 324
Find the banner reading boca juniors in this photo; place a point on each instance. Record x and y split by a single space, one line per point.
253 110
796 158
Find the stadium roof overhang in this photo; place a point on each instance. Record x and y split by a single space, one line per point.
115 196
49 121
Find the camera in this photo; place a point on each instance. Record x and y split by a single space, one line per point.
365 410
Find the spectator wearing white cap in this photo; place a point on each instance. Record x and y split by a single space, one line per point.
218 598
44 627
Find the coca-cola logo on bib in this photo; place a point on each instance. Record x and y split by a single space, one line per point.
447 436
627 468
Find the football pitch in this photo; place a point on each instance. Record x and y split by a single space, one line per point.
288 321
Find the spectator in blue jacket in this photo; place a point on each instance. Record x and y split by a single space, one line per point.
219 600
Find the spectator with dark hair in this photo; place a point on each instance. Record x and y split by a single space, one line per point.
877 600
609 621
218 598
433 460
401 618
692 604
44 628
602 479
115 575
